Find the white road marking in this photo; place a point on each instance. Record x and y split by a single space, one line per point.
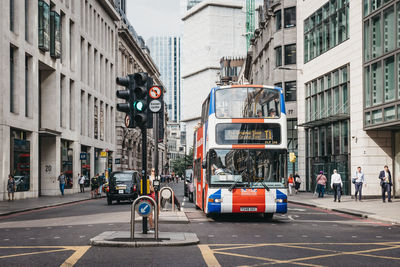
354 236
201 223
314 224
210 235
279 236
304 236
89 225
296 209
291 218
378 236
7 230
257 236
31 238
56 237
48 227
234 236
6 239
110 224
69 226
328 236
27 228
82 236
334 225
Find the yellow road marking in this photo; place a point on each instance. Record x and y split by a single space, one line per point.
79 252
297 261
208 256
271 261
32 253
239 247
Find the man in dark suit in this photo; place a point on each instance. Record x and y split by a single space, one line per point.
386 183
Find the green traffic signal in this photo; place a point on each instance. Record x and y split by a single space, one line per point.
139 106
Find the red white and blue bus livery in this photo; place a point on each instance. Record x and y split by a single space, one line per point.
240 151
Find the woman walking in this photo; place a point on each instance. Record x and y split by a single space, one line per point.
290 183
10 187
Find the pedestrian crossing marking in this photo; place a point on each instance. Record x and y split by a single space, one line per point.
227 250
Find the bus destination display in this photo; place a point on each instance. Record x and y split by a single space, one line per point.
248 133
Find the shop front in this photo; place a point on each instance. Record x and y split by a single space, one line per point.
67 162
20 159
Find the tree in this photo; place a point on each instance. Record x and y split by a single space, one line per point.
181 164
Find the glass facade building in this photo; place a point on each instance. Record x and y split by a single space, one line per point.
328 126
326 28
381 61
166 52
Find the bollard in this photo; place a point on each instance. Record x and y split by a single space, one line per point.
133 212
172 195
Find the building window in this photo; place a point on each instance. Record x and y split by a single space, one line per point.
389 113
278 19
290 54
376 37
389 79
44 26
367 86
278 56
290 91
290 17
12 70
328 94
376 78
12 6
55 35
27 27
326 28
389 27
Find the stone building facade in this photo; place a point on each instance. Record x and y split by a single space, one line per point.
57 92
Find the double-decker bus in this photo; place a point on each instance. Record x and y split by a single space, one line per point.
240 151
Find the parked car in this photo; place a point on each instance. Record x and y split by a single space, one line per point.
189 186
123 185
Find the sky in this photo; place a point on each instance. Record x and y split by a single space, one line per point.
154 17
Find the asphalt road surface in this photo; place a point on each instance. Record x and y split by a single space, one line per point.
304 236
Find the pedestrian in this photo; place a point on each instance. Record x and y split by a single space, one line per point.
153 196
62 180
386 183
94 182
358 182
297 182
290 183
10 187
321 183
81 180
336 185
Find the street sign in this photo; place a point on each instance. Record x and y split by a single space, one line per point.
103 154
155 106
83 156
117 161
155 92
166 194
144 208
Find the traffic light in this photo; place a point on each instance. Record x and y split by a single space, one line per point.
128 95
141 85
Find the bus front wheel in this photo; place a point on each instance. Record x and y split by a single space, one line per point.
268 216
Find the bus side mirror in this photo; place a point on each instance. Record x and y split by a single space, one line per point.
204 164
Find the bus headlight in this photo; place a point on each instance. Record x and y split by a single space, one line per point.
218 200
279 200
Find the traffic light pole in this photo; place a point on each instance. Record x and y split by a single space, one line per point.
144 171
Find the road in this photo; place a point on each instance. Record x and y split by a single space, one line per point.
304 236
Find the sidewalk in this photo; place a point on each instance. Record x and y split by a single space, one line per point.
369 208
21 205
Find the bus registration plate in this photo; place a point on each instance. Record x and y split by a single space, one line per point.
248 208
